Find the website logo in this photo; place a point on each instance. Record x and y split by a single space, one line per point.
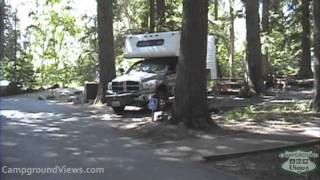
299 161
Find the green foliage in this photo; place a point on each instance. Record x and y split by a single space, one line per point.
220 28
264 112
20 71
87 62
11 33
284 40
18 66
62 48
52 1
52 34
173 16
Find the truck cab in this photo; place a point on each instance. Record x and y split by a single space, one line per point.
155 74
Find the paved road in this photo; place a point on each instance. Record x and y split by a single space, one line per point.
43 134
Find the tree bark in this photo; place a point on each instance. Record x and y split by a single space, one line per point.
305 62
15 20
1 34
254 56
231 58
216 17
190 106
265 15
161 10
106 46
316 17
152 23
265 28
216 9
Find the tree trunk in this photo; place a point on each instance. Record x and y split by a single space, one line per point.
161 10
15 20
152 23
190 106
254 56
265 15
231 58
106 47
144 19
1 37
316 15
216 9
305 62
265 28
216 17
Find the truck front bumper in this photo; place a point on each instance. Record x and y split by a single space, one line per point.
127 99
118 100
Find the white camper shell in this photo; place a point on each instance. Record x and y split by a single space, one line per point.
165 44
155 75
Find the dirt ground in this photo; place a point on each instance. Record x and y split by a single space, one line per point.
282 112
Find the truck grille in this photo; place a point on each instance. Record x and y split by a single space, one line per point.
132 85
117 86
127 86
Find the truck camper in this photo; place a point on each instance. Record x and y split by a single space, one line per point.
154 75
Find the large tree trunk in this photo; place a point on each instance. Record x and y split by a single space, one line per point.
152 19
265 15
2 16
216 17
265 28
1 34
305 62
316 15
231 58
254 45
161 10
216 9
190 106
106 46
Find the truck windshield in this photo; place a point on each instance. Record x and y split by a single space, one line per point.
149 67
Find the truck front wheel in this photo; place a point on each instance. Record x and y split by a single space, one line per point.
118 110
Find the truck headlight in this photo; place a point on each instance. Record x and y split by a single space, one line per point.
149 84
110 86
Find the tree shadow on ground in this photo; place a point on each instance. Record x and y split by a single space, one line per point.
61 134
42 134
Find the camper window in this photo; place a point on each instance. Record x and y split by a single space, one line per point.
154 42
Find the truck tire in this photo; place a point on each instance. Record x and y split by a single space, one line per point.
118 110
